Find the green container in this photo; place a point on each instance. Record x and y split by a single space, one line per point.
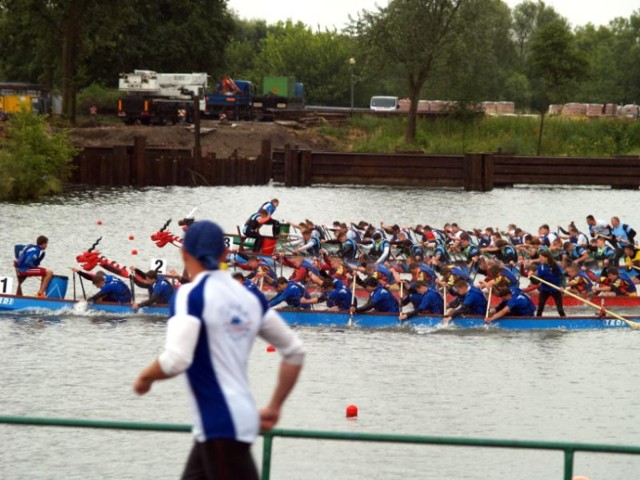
279 86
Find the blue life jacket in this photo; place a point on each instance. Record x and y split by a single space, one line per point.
383 301
432 302
520 305
115 290
30 257
163 288
545 272
291 295
476 300
339 297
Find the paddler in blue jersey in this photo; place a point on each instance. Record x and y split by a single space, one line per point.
112 289
290 292
160 290
380 299
472 301
514 305
334 293
431 302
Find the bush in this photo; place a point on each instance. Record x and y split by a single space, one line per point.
518 135
33 161
106 99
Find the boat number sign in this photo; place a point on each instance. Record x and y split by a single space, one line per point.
228 241
159 265
6 285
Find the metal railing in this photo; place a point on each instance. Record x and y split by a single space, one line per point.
568 448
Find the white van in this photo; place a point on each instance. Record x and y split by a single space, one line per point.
382 104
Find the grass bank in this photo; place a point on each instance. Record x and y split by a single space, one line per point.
518 135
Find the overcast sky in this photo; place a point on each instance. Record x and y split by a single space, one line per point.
330 13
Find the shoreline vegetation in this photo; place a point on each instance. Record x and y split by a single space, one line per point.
602 137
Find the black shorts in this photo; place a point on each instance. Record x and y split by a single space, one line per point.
220 459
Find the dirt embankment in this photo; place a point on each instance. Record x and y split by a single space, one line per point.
243 137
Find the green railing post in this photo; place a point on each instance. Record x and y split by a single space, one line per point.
267 445
568 464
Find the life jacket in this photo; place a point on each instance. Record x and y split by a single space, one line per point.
252 225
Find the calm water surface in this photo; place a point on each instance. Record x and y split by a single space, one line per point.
580 386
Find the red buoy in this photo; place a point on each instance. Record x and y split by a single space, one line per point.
352 411
99 222
131 237
271 348
134 252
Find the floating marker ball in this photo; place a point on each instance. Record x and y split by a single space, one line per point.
131 237
352 411
134 252
271 348
99 222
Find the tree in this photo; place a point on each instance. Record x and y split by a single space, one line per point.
33 161
555 66
528 16
319 59
410 33
478 55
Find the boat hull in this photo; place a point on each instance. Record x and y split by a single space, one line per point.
318 318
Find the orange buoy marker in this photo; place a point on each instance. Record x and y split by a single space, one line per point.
99 222
134 252
352 411
271 348
131 237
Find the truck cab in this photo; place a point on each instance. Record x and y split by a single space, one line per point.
384 103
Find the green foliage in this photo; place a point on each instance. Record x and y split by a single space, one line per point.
555 64
33 161
319 59
517 135
106 99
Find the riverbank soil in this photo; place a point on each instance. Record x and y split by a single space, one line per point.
243 137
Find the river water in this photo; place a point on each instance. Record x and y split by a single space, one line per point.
576 386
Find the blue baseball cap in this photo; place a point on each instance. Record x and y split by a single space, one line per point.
204 240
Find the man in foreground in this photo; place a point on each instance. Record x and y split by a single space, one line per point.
214 322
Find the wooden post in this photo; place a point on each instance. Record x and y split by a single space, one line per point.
139 154
306 173
473 172
266 170
197 149
288 166
488 172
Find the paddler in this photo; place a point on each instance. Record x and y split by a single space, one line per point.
632 261
617 284
160 290
291 293
513 304
334 293
112 289
252 226
472 301
431 302
380 299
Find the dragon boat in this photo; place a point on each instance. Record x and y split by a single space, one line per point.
318 318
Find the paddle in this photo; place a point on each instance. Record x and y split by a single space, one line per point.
634 325
486 314
353 299
400 301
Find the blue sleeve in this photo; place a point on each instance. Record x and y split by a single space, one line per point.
263 300
281 297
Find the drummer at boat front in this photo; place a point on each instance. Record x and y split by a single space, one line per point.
473 301
516 304
160 290
28 263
